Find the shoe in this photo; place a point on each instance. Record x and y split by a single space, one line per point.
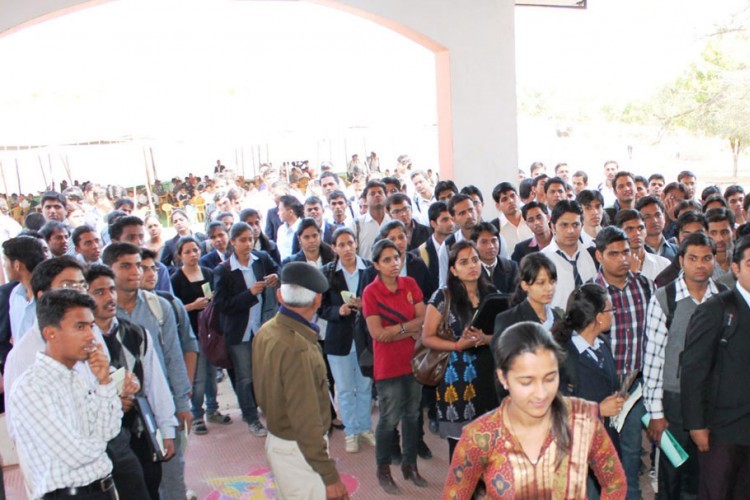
219 376
352 444
386 480
199 427
191 495
337 424
423 451
257 429
368 437
216 417
412 474
433 426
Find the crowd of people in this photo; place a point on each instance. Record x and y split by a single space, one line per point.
312 288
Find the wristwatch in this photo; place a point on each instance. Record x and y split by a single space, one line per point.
403 329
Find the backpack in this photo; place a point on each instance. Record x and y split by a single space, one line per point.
363 346
210 338
671 303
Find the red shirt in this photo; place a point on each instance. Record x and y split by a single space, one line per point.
392 359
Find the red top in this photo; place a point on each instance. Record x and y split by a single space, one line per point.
392 359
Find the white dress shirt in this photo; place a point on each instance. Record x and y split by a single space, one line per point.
366 228
61 426
653 265
514 234
285 238
565 279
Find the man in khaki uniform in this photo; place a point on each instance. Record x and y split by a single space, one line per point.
291 387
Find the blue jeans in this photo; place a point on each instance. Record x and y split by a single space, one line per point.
399 399
204 384
172 485
631 443
353 391
242 379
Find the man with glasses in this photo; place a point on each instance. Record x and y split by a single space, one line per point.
399 207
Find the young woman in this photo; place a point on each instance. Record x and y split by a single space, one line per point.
181 224
538 280
394 310
220 251
187 283
467 390
346 279
537 444
155 242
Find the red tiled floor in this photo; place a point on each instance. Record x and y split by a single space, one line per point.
227 455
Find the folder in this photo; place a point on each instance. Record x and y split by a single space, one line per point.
669 445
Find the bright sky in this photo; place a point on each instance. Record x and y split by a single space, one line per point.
313 82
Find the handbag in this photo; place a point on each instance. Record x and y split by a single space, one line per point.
429 365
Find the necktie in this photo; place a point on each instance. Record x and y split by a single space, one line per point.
598 355
574 264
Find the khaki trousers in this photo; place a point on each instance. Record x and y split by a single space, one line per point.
295 479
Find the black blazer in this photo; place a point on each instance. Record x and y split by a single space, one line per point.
170 247
5 331
327 236
270 247
340 329
522 249
415 268
234 300
212 259
505 275
519 313
714 372
273 223
419 234
433 262
326 256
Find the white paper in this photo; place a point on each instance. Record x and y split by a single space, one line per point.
619 420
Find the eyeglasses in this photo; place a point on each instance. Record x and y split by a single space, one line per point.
81 286
610 310
398 211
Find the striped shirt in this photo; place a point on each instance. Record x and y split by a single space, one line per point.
629 324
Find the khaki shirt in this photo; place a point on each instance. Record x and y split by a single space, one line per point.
291 387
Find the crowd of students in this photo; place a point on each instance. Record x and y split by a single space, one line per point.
615 273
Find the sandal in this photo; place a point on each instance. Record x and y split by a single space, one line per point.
199 427
217 417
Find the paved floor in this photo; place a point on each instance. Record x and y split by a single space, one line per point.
229 463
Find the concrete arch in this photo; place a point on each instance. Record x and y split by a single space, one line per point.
473 44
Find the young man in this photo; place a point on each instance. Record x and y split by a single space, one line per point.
656 184
399 207
607 188
592 203
673 194
664 342
87 244
688 223
291 388
526 191
130 229
624 185
445 190
57 235
537 218
641 187
537 168
442 226
131 347
17 300
554 191
652 210
290 211
423 195
54 206
721 230
475 194
368 226
688 179
630 295
156 315
62 423
713 388
539 182
502 273
340 211
573 262
563 172
641 261
580 181
735 196
511 224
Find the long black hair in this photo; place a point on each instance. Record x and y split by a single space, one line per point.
461 304
530 337
583 306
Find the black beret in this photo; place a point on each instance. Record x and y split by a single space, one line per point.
304 275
